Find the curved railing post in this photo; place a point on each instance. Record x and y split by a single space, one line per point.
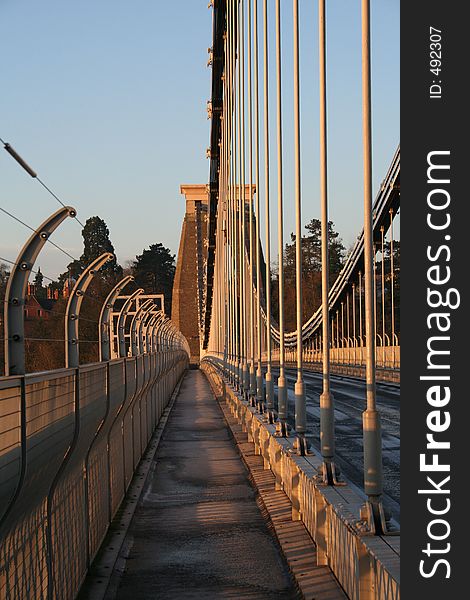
155 330
16 291
166 330
164 334
150 330
142 331
134 323
160 328
105 316
121 322
142 328
137 324
173 337
170 336
72 313
156 333
147 332
155 325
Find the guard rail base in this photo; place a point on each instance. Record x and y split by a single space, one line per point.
359 371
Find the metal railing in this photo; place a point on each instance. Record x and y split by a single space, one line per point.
70 441
387 357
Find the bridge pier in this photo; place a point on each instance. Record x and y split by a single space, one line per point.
187 290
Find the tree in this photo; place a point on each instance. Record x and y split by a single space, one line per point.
311 269
4 274
154 270
38 281
95 242
311 251
39 278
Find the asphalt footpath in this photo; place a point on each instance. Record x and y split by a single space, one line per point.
198 531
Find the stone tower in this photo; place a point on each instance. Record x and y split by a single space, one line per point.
185 308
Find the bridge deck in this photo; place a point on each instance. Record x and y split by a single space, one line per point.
198 531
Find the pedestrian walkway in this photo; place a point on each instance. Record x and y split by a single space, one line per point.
198 531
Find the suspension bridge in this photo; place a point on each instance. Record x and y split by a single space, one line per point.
216 454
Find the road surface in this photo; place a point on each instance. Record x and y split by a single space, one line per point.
349 395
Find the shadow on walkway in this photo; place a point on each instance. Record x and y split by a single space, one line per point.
198 531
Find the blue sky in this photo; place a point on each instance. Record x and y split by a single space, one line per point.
107 101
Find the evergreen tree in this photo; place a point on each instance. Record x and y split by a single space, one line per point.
311 252
39 284
154 270
311 269
95 242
